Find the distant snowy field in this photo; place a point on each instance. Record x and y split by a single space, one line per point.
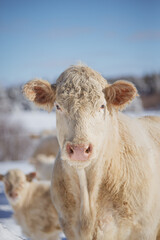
35 122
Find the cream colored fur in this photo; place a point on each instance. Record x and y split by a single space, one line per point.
33 209
115 194
43 165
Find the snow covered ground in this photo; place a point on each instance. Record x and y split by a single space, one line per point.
7 235
35 122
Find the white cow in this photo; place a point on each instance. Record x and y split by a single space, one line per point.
32 206
106 178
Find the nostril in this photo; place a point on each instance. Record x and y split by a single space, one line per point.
71 150
13 194
88 150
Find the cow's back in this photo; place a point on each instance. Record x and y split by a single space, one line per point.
152 126
48 146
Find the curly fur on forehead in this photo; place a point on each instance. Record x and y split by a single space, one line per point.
79 85
15 175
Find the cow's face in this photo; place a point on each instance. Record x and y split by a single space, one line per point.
84 104
15 182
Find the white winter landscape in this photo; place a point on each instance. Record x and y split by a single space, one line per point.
34 122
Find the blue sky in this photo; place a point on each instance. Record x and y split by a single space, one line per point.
42 38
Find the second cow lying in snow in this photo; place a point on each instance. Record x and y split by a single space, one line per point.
44 156
47 146
108 165
32 206
43 165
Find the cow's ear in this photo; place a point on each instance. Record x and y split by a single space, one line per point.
119 94
41 92
30 176
1 177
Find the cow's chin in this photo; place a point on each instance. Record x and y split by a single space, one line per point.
79 164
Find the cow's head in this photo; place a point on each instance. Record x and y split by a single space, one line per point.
84 103
15 183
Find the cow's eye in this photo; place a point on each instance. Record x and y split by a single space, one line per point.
58 107
102 106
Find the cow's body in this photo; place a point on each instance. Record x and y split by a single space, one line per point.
32 205
116 197
106 177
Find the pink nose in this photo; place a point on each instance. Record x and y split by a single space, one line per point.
79 152
13 194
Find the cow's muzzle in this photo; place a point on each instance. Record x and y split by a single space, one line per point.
79 152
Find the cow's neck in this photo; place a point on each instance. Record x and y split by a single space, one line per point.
89 185
122 165
84 194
